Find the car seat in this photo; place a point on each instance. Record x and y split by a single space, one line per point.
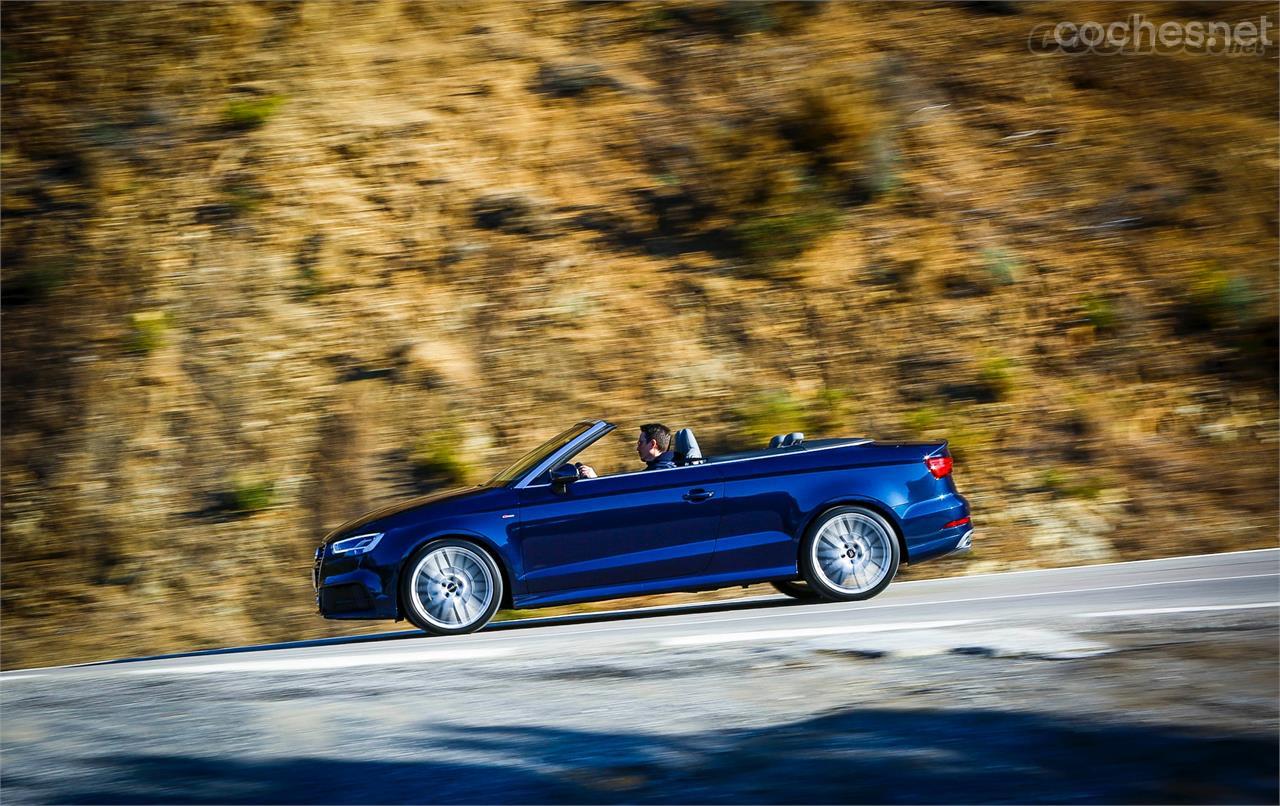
787 440
686 450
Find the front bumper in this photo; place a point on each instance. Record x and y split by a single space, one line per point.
354 587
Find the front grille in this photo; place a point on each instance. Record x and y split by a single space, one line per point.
344 599
315 568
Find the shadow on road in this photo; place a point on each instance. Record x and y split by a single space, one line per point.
853 756
497 626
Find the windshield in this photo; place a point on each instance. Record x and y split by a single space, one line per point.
533 457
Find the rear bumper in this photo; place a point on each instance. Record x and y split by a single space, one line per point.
965 544
929 530
957 540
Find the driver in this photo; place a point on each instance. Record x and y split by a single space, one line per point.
651 447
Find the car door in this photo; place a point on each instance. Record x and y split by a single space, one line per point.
619 529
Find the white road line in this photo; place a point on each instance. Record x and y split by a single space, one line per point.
1095 565
853 607
902 585
1152 611
337 662
898 586
809 632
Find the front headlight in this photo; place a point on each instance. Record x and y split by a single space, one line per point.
360 544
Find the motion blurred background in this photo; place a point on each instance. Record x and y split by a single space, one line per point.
267 265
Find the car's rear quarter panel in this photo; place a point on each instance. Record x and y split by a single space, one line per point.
769 502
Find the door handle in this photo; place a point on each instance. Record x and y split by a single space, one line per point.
698 495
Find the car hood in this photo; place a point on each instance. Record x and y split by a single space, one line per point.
441 496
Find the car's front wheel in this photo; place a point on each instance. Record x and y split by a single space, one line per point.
850 553
450 587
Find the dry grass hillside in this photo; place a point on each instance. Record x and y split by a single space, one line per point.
266 265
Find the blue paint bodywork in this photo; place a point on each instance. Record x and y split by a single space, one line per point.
732 520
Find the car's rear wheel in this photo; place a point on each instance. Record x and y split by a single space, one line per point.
795 589
850 553
450 587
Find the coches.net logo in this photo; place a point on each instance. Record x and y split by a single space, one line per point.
1136 35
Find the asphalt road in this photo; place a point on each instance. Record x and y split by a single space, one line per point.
1153 681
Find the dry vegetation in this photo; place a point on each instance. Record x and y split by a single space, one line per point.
268 264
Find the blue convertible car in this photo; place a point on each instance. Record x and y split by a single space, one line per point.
829 519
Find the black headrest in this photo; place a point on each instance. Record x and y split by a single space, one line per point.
686 448
776 441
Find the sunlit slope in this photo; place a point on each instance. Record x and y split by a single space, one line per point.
267 265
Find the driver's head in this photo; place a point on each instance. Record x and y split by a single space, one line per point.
654 439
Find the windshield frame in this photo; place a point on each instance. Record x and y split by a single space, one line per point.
536 461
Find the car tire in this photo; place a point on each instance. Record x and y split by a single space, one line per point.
795 589
450 587
849 554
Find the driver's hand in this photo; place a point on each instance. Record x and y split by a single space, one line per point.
585 471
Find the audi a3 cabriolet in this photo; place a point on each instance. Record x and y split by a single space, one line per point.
827 519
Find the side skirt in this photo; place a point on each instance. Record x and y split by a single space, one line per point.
701 582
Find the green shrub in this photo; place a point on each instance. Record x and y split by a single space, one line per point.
1002 267
250 113
764 416
1213 299
829 411
1053 479
244 198
146 331
438 458
35 282
1064 485
766 239
918 421
1099 312
248 495
967 442
995 378
882 170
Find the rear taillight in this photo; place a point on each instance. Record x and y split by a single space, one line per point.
939 466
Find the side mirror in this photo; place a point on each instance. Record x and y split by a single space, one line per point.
562 477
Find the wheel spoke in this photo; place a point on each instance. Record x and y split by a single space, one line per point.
475 564
853 572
